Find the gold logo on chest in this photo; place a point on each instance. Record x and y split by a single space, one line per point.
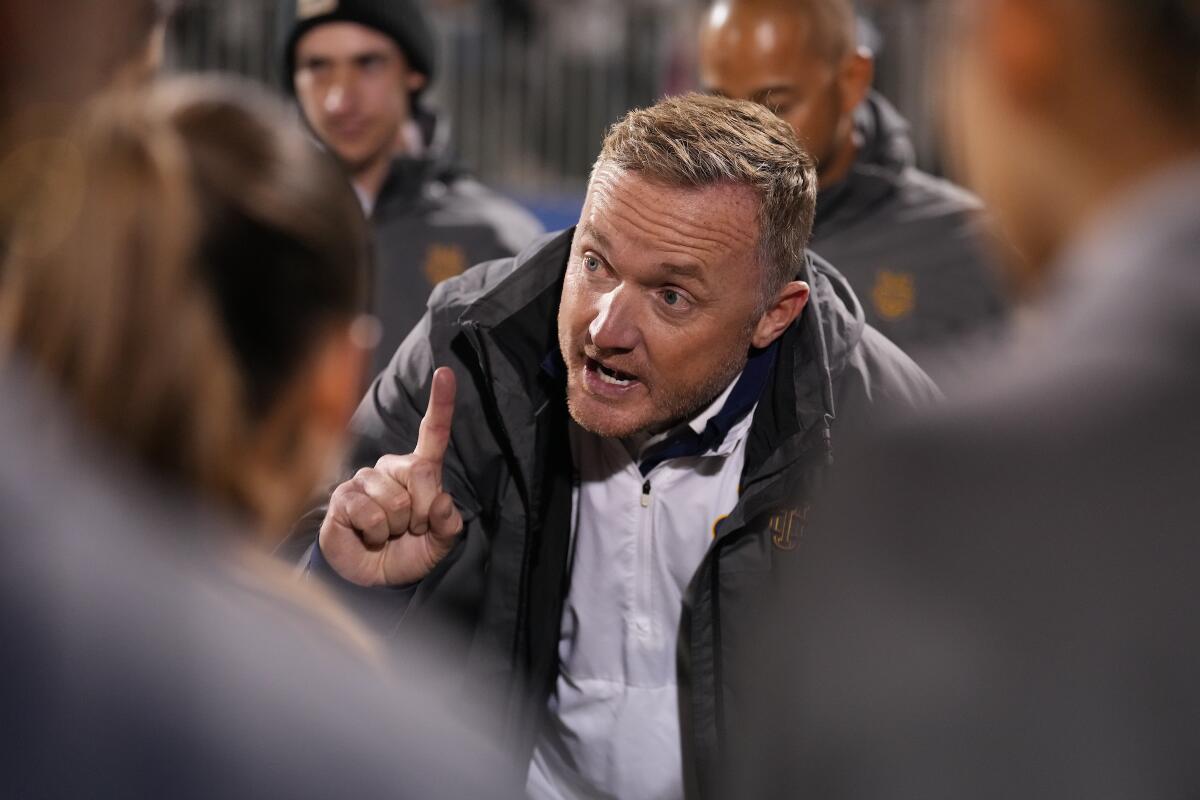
894 294
787 527
444 261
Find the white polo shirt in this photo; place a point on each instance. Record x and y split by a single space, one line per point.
613 727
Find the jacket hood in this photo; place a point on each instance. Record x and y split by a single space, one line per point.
885 135
818 349
885 152
409 174
841 315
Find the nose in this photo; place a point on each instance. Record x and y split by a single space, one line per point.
338 98
335 99
614 328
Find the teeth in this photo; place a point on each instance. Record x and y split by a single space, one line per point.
607 376
604 376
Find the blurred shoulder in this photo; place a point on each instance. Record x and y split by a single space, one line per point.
935 196
460 199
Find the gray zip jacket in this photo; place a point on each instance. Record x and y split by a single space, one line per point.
497 598
913 246
432 222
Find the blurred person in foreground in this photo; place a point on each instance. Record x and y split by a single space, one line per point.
579 456
1014 612
111 42
181 346
358 69
913 246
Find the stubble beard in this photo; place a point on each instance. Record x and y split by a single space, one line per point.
675 407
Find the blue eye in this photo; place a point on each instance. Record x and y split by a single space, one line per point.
591 263
671 297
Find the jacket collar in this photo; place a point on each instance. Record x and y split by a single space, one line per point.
885 152
407 180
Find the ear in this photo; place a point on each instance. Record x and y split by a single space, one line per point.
782 313
857 74
335 380
415 81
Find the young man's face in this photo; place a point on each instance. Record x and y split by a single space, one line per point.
660 302
353 85
767 56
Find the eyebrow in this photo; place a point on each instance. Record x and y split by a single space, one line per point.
685 271
356 56
678 270
587 230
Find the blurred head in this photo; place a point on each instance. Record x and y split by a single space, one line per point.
109 42
686 256
357 67
1056 106
192 283
800 59
105 40
353 85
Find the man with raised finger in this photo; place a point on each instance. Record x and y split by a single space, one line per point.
645 407
400 494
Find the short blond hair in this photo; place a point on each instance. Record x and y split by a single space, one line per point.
695 141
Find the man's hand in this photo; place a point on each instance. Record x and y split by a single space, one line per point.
392 524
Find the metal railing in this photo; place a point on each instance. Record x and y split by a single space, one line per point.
528 98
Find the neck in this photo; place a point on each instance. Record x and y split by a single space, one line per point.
837 166
369 180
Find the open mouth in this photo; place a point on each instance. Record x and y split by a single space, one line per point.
608 375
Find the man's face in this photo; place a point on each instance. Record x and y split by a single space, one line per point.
353 85
767 56
661 296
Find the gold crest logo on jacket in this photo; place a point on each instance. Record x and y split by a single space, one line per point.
894 294
444 261
787 527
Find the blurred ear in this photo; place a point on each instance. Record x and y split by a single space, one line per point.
335 380
782 313
299 442
855 78
415 81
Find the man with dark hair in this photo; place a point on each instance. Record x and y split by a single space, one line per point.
1021 590
910 244
638 402
358 69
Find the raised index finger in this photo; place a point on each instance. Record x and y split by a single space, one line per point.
434 435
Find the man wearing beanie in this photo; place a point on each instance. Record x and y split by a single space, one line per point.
357 69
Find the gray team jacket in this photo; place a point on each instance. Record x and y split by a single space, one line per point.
432 222
912 245
497 598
